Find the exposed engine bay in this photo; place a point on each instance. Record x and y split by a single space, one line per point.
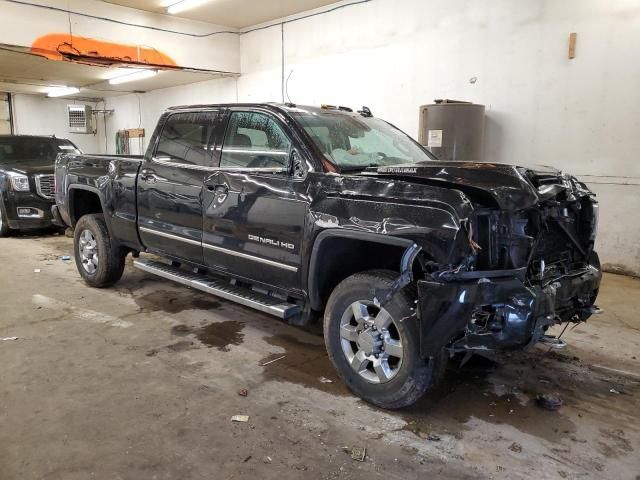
526 270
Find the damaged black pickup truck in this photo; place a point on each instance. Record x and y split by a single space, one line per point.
302 211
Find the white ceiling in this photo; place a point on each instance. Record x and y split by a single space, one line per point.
25 73
233 13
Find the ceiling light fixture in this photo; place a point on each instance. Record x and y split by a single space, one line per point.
132 77
120 72
62 91
181 6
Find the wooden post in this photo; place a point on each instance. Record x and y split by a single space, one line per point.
572 45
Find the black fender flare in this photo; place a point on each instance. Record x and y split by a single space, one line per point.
314 265
99 194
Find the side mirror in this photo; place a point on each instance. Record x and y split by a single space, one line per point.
296 165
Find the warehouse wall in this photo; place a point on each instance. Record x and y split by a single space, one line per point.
36 115
582 115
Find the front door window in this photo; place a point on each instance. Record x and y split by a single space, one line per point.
254 140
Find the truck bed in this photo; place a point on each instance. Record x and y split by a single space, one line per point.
112 178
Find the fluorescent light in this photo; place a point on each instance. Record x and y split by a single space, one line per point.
120 72
62 91
181 6
132 77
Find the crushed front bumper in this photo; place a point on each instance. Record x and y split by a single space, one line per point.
522 311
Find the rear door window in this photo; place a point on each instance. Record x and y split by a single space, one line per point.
186 138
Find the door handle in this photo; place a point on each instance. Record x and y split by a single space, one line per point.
148 176
219 189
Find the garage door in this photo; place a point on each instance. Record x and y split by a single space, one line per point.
5 122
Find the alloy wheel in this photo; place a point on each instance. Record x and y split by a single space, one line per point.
371 342
88 247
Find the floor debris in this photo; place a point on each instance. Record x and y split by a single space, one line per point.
325 380
36 270
65 257
359 453
549 402
243 392
432 437
240 418
267 460
515 447
271 361
5 339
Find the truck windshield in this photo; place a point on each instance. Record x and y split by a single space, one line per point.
33 149
354 142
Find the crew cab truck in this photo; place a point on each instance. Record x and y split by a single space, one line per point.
26 180
306 211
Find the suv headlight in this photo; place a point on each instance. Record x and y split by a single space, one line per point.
19 183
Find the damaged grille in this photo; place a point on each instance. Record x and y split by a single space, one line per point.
46 186
550 240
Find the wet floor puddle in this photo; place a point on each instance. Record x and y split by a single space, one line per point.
215 335
505 393
468 393
303 362
175 301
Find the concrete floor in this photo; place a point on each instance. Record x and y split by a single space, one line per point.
140 382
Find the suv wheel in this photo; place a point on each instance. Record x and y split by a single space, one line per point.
99 262
376 350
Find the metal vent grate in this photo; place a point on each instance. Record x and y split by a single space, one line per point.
80 118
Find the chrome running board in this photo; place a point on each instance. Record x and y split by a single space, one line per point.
220 288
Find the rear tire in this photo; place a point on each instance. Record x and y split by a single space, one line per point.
98 260
397 377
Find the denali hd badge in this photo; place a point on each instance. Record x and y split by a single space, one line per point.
271 242
397 170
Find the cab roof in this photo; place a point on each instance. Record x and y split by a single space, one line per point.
285 107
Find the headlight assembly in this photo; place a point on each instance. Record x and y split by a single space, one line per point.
19 183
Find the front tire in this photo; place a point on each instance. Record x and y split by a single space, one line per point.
376 350
98 260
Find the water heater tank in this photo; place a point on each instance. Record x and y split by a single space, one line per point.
453 130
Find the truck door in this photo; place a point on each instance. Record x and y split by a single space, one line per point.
170 185
254 209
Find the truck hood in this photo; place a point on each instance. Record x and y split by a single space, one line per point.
508 185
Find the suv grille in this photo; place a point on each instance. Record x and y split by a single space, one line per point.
45 185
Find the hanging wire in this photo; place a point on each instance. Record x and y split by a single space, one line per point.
177 32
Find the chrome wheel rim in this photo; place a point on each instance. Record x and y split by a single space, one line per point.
88 248
371 342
